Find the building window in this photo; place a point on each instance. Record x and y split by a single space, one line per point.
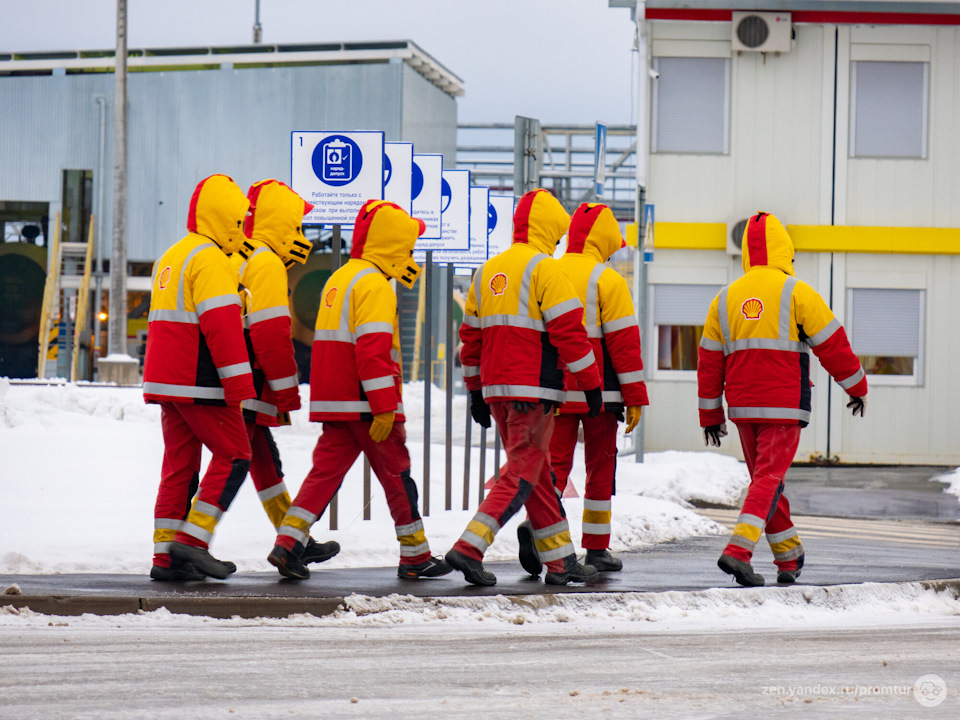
886 332
691 105
888 116
678 315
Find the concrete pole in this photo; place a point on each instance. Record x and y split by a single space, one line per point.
117 341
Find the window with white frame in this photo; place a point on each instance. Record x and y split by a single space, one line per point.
678 315
691 105
886 332
888 115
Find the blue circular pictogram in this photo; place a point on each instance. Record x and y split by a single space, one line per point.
387 169
416 183
337 160
446 195
491 218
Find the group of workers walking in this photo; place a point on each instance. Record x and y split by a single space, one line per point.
548 346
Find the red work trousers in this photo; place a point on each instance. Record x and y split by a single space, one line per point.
337 448
600 457
266 472
768 449
525 480
186 429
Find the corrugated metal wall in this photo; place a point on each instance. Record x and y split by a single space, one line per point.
185 125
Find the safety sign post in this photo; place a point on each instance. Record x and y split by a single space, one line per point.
500 223
398 174
427 205
600 159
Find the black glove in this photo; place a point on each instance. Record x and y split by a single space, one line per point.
479 409
594 401
858 405
713 433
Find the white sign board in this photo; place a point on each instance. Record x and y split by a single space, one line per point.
476 254
500 223
600 158
398 174
425 190
337 172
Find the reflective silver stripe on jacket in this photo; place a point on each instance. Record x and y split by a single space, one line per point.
609 396
218 302
623 323
561 308
471 321
583 363
374 327
764 344
723 316
229 371
190 391
259 406
708 344
277 311
528 323
710 403
283 383
271 492
380 383
825 334
852 380
590 319
523 309
786 295
471 370
523 391
344 406
634 376
183 270
334 335
477 280
180 316
781 342
768 413
345 306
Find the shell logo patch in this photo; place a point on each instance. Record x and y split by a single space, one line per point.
330 297
164 278
498 283
752 309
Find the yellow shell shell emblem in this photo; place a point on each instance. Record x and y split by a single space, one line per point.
752 309
498 283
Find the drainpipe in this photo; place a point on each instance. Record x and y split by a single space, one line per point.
101 101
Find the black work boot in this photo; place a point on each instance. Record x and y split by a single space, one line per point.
603 561
288 564
742 571
788 577
529 557
318 552
434 567
177 572
472 570
573 571
201 559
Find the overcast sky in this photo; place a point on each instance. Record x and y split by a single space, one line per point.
562 61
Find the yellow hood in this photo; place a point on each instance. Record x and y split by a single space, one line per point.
594 231
540 221
276 219
218 209
766 243
385 234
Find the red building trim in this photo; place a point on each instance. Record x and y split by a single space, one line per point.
812 16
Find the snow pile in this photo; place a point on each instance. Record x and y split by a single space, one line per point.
869 604
81 466
953 481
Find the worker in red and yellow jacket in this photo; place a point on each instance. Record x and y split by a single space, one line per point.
197 369
274 242
754 350
355 388
611 323
522 319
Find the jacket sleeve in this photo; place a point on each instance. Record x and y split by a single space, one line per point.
618 322
563 315
470 337
826 336
214 285
268 320
711 364
373 306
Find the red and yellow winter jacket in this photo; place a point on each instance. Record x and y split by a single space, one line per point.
756 335
355 367
273 226
609 315
522 315
195 348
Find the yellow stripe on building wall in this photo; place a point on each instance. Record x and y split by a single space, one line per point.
817 238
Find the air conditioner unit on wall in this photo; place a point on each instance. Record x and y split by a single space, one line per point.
762 31
735 227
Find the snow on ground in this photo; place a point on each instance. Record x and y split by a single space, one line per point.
81 465
953 481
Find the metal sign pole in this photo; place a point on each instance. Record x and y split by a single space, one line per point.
427 376
448 378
